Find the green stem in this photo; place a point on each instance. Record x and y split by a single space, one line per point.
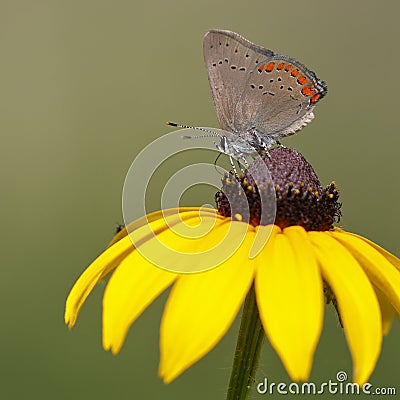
250 339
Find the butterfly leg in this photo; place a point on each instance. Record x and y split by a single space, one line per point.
232 161
245 163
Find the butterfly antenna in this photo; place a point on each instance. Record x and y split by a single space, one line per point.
210 132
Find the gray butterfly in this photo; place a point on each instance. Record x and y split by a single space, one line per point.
260 97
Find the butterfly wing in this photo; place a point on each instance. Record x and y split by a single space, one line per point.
229 59
253 88
278 98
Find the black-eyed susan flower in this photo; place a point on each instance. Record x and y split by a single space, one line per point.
288 254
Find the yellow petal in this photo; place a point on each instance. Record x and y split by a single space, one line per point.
146 229
201 308
263 234
357 302
159 215
132 287
137 281
100 267
192 248
200 220
387 311
379 270
389 256
290 298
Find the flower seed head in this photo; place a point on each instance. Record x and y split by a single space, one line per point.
299 196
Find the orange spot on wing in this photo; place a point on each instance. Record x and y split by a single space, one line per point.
295 72
261 67
302 80
307 91
270 67
287 68
315 97
280 66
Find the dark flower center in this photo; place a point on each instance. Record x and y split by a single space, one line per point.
290 194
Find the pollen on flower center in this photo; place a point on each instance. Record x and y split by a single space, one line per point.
300 198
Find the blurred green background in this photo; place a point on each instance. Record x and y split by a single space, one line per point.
85 85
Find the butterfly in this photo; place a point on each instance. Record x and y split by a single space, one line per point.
259 96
